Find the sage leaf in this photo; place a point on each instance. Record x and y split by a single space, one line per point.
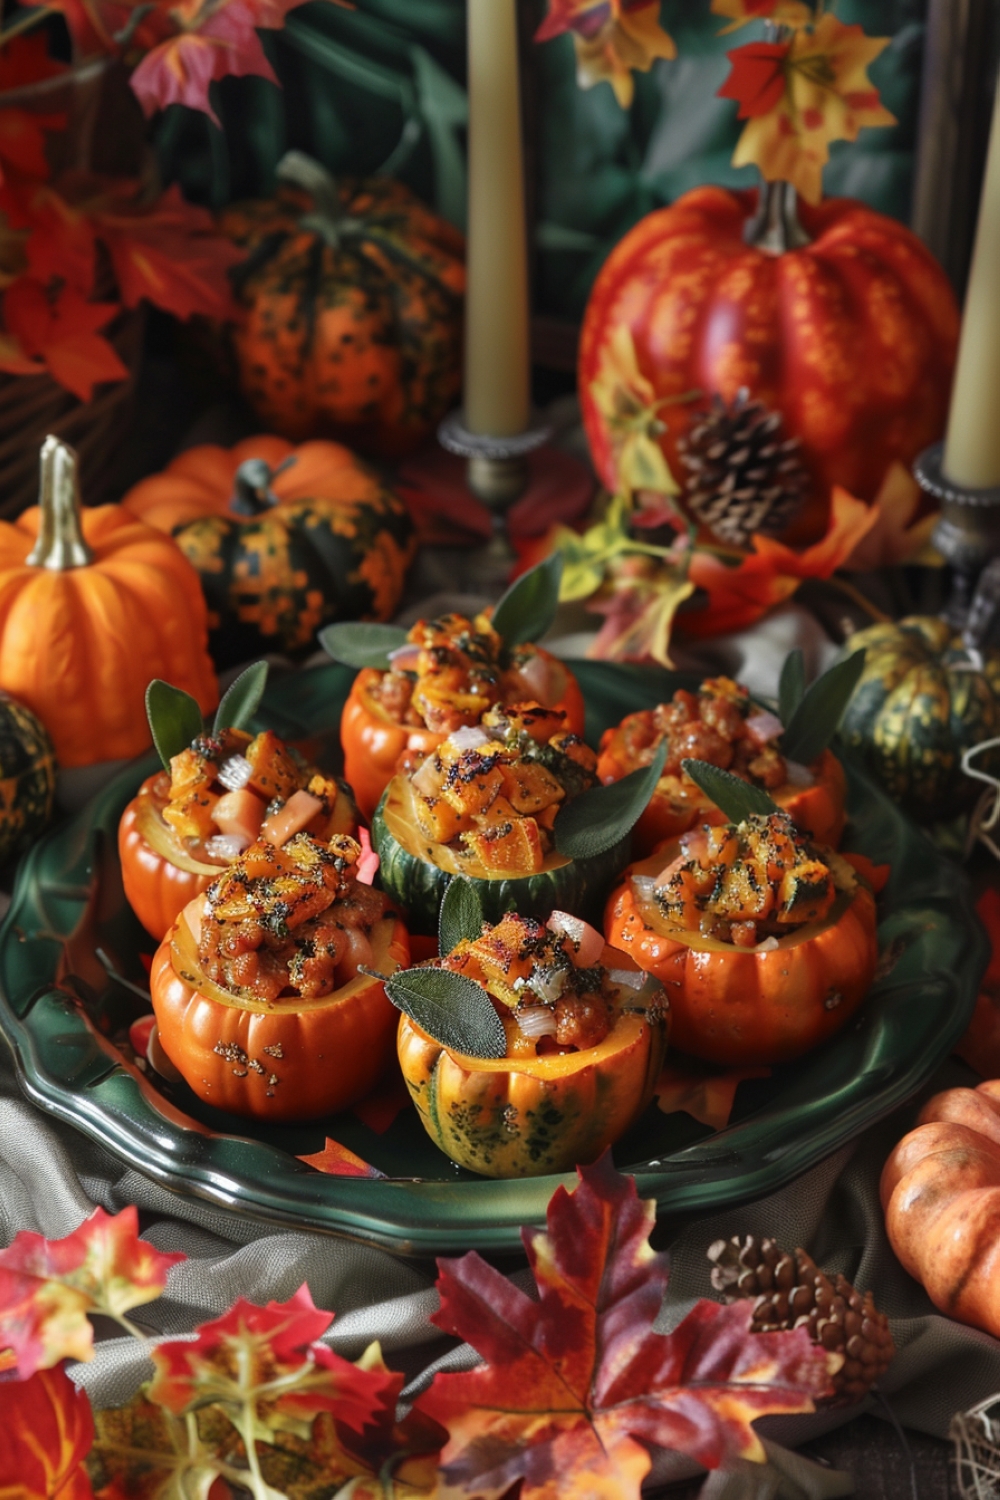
792 685
241 699
174 719
818 716
528 608
737 798
454 1010
362 644
461 915
597 819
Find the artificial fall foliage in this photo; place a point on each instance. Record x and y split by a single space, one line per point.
576 1387
613 39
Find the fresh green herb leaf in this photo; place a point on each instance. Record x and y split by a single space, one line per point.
461 914
241 699
818 716
529 606
360 644
454 1010
597 819
792 686
174 718
737 798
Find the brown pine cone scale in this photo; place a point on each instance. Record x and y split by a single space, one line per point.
743 475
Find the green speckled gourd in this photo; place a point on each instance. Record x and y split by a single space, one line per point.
921 703
27 777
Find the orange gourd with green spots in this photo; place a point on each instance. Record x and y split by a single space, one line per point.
351 302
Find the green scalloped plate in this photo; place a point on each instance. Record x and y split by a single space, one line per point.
70 954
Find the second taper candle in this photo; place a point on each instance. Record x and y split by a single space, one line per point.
497 360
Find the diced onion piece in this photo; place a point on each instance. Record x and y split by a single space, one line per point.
587 942
367 865
644 886
768 945
632 979
300 809
536 675
764 727
192 915
228 846
547 984
426 778
798 774
668 870
234 773
139 1034
240 812
405 657
535 1020
469 737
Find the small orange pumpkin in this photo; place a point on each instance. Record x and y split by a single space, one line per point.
92 604
941 1197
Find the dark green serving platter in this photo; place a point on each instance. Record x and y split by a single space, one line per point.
70 966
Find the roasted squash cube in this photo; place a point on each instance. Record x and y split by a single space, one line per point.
806 893
189 772
529 787
437 819
192 816
275 774
472 782
744 892
507 845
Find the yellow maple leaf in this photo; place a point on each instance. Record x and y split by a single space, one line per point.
639 600
629 41
827 96
791 13
629 406
896 537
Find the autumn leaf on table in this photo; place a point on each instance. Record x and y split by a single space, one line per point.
791 13
22 140
706 1097
338 1161
170 254
799 96
58 334
578 1386
47 1287
140 1452
45 1434
613 39
896 536
639 601
61 242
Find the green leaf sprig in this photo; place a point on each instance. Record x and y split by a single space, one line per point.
359 643
451 1008
598 819
816 717
736 798
792 684
175 718
460 918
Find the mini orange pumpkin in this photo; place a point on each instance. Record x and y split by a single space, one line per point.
92 604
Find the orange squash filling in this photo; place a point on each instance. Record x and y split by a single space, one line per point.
746 883
492 791
292 922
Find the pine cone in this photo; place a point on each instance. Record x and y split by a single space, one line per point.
742 477
790 1291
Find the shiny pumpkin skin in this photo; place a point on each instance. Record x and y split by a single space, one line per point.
409 873
373 741
851 338
335 545
358 340
740 1006
521 1118
293 1060
917 707
27 777
940 1193
821 809
78 646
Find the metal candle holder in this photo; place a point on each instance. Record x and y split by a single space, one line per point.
967 535
497 474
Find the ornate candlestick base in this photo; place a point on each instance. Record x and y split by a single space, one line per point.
968 533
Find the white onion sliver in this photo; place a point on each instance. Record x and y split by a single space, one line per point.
547 984
633 979
426 779
235 773
564 923
798 774
536 675
405 656
535 1020
227 845
768 945
469 737
644 887
764 727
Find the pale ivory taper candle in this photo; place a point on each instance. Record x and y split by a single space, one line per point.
496 395
972 446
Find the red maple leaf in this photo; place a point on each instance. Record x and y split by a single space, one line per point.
171 254
578 1386
180 69
46 1433
757 81
25 59
339 1161
47 1287
61 242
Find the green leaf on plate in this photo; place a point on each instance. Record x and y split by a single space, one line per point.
737 798
818 716
174 718
529 606
241 699
792 685
461 914
362 644
598 818
454 1010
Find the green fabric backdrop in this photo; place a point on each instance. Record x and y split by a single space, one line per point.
381 87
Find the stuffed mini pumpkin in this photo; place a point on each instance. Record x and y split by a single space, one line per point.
284 539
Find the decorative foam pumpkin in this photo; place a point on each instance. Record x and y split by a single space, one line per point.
92 604
850 333
284 539
922 700
941 1197
351 297
27 777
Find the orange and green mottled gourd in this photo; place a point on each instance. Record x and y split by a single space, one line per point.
284 539
837 317
27 777
93 603
351 302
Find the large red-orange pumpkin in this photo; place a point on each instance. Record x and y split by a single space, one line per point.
851 337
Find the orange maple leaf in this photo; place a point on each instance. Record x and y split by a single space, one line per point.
898 535
59 334
706 1097
791 13
339 1161
613 39
170 254
45 1435
827 96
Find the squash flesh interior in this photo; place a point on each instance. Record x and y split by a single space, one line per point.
400 820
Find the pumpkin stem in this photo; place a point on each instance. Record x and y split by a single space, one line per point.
252 492
60 543
327 217
775 227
